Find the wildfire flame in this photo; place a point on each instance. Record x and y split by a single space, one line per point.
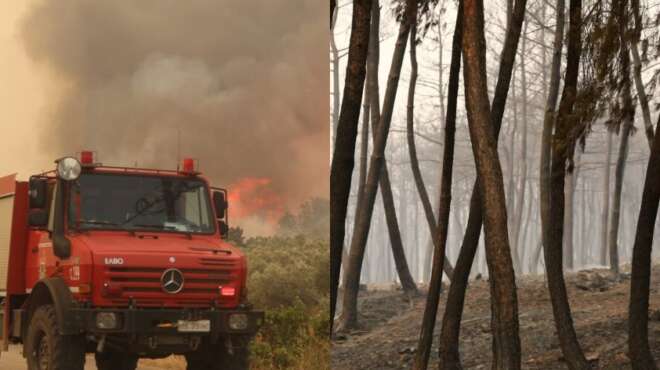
254 197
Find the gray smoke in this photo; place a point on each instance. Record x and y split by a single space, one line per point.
244 82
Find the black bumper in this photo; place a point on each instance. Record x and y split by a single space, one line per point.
160 321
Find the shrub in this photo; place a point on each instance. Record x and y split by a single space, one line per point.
289 279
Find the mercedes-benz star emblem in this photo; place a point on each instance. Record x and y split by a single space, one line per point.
172 281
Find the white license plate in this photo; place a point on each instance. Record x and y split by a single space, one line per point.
197 326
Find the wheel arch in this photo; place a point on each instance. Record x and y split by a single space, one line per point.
53 291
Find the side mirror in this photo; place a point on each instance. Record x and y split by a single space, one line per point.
61 246
220 201
38 193
38 218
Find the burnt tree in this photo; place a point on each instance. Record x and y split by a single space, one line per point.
638 315
343 156
451 322
504 303
561 144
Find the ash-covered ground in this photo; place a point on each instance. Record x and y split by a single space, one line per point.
390 325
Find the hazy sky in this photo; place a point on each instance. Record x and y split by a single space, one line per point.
243 85
23 97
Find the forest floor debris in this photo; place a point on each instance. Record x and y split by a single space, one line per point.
388 336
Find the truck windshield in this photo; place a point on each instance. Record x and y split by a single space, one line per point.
135 202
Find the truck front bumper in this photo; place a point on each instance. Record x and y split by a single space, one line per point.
136 321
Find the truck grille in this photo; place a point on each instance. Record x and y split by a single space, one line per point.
146 281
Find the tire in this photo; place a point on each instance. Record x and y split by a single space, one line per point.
110 360
46 349
216 357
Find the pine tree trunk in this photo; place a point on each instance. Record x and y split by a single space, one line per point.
435 285
451 322
348 318
504 305
628 116
638 337
561 143
343 159
571 179
398 253
606 201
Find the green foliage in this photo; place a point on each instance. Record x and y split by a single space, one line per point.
288 277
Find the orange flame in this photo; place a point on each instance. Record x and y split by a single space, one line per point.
254 196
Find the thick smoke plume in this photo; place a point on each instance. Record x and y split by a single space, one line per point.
242 85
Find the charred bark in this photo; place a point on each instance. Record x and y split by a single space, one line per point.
561 147
504 305
451 323
343 157
638 337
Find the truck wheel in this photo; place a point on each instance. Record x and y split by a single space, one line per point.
110 360
217 357
46 349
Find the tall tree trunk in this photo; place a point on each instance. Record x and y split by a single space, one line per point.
364 138
414 161
348 318
504 305
510 189
518 244
628 116
407 281
548 122
343 159
451 322
561 144
441 83
637 72
606 201
638 337
334 59
433 297
571 180
364 149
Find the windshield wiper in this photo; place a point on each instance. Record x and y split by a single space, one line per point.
163 227
153 226
98 222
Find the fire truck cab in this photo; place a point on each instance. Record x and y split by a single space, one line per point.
124 263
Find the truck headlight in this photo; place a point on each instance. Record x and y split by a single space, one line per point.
238 321
107 320
68 168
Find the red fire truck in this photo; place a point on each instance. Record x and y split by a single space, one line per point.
125 263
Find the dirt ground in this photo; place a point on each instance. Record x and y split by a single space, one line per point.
390 325
13 360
